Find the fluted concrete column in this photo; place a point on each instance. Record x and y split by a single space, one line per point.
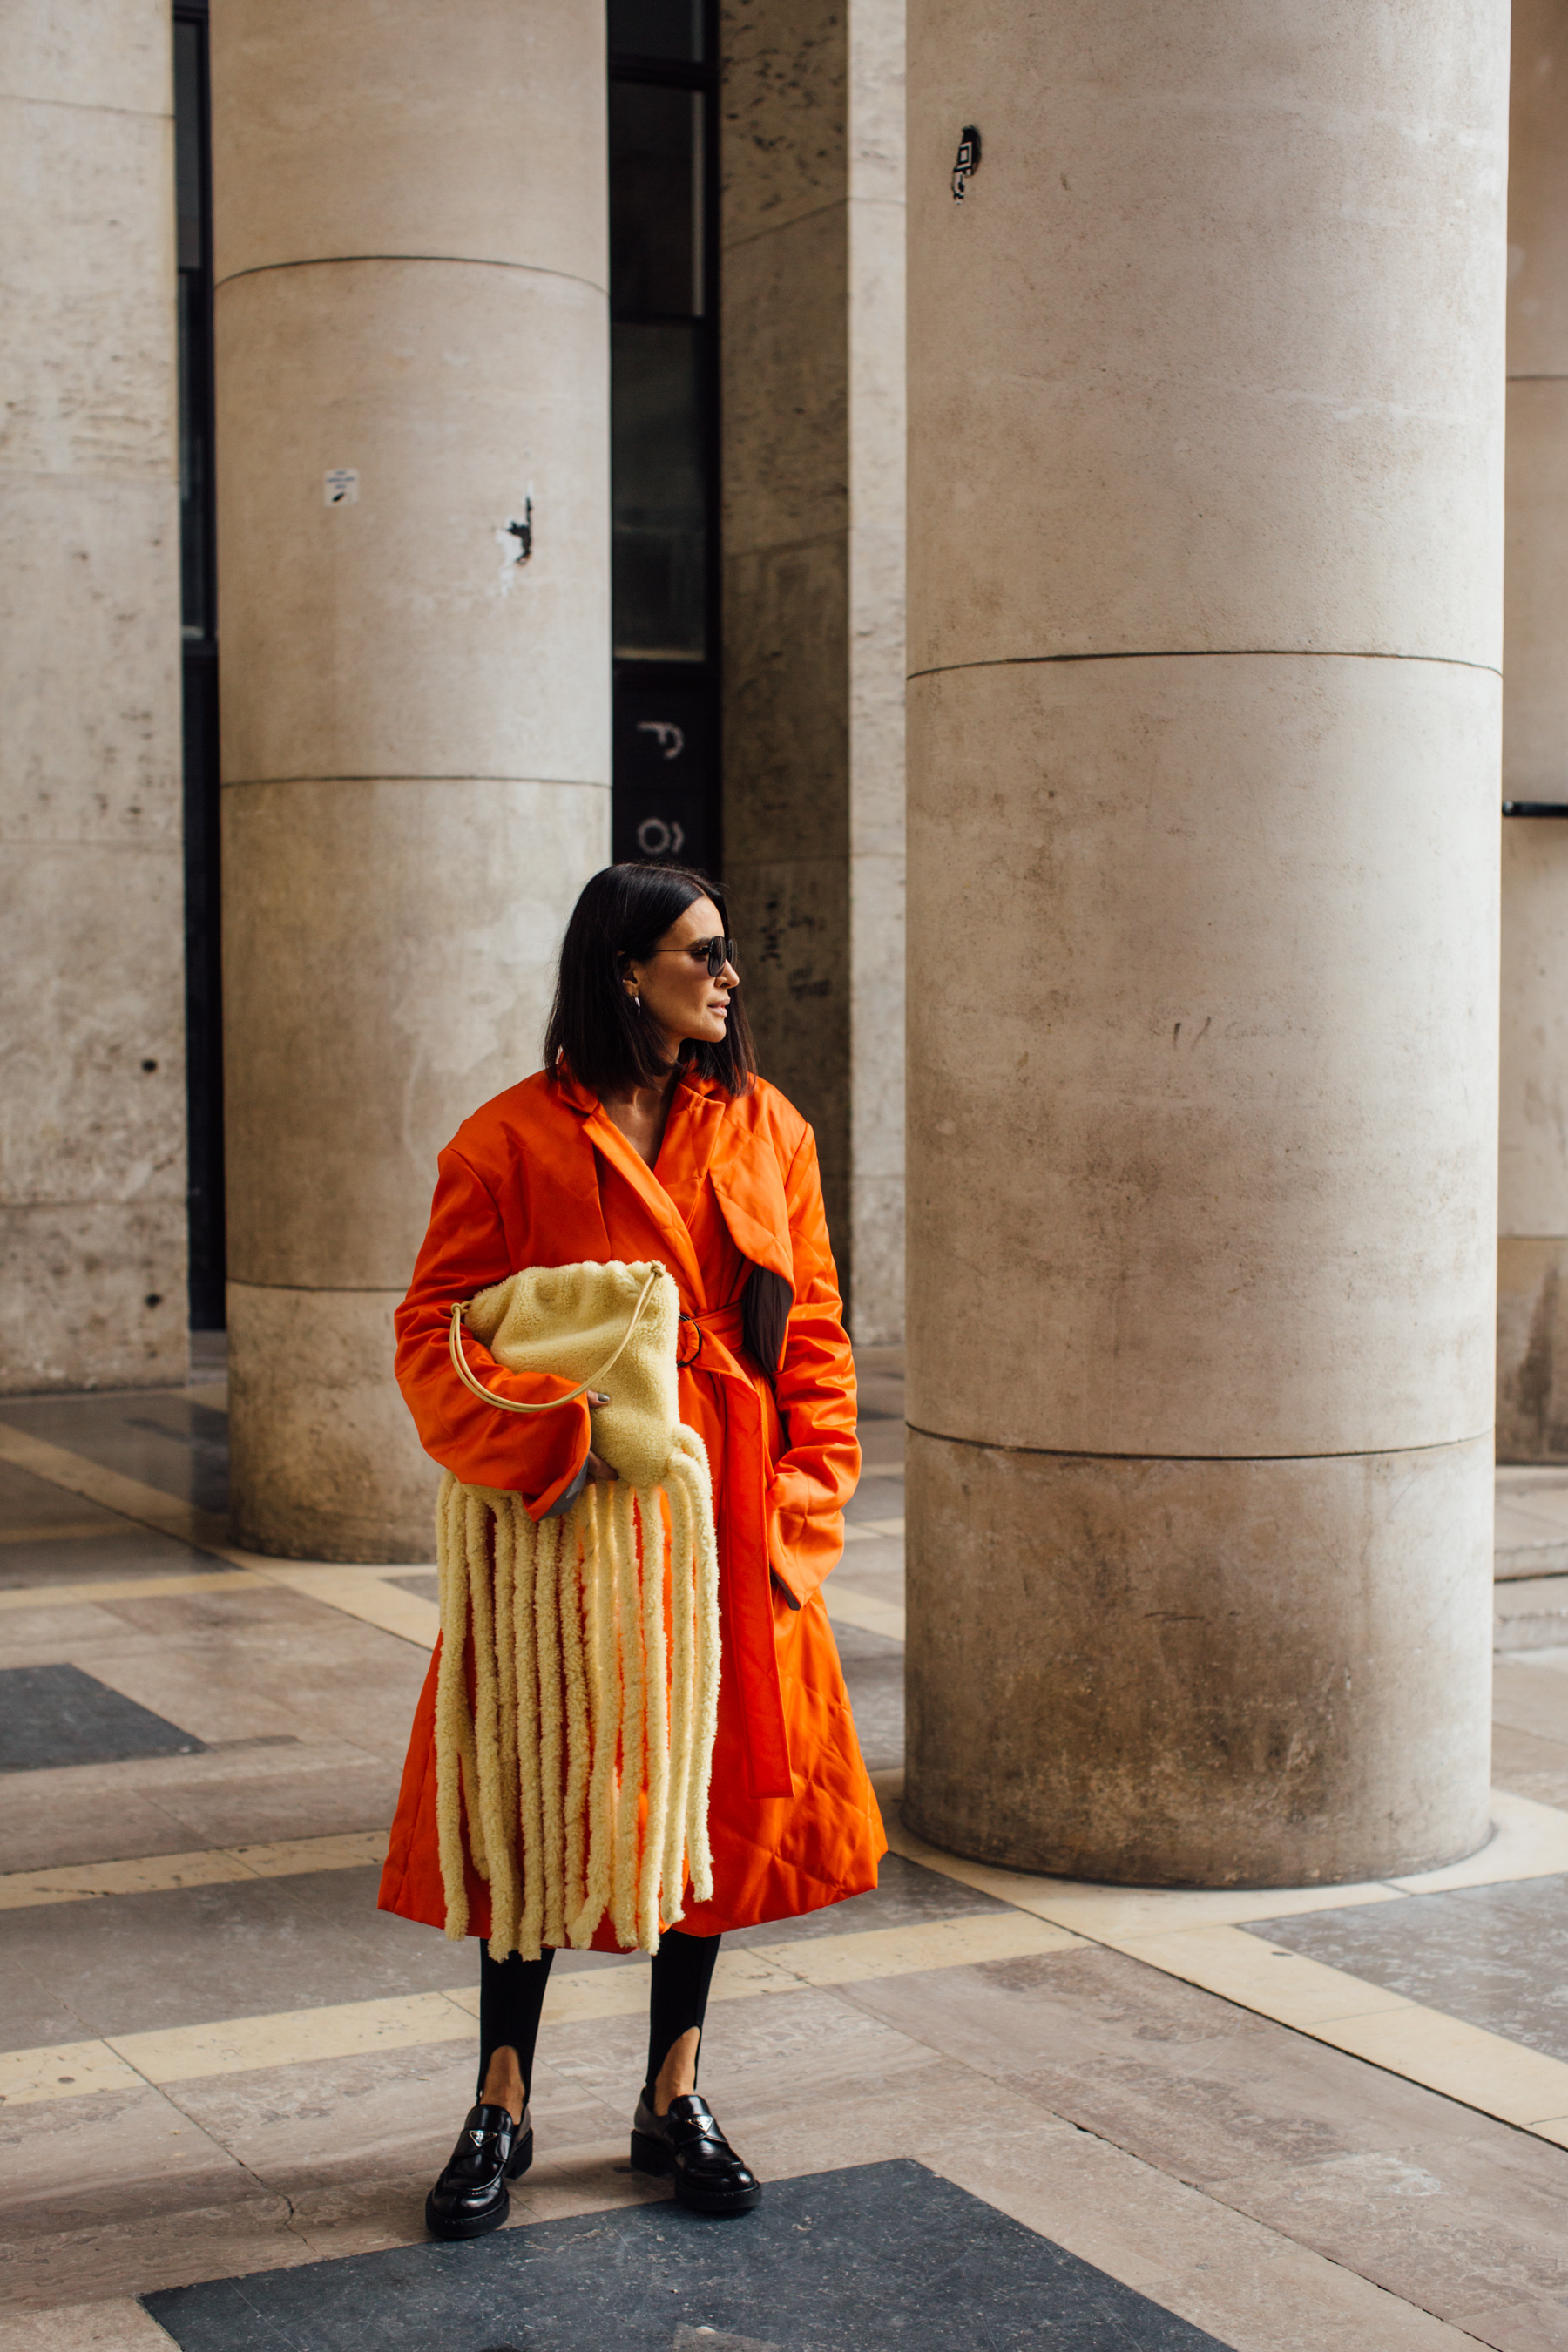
1206 510
411 274
92 1074
1533 1205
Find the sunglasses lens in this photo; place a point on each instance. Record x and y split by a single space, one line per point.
723 951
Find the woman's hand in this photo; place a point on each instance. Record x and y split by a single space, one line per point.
599 1468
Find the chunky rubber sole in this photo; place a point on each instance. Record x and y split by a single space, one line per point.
652 2155
479 2225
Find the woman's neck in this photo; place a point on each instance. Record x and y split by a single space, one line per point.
642 1113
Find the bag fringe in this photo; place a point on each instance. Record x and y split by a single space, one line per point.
582 1768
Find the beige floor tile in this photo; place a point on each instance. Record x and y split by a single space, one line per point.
1115 1912
1533 1697
1255 2290
1283 1985
849 1605
105 1813
1528 1841
124 2152
1327 2151
1463 2062
1460 2230
129 2251
292 2037
1530 1766
63 2071
120 2325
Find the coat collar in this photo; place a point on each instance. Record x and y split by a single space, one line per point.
738 1158
601 1131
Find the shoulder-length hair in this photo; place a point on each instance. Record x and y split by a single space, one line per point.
623 913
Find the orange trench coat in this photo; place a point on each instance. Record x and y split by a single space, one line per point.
542 1176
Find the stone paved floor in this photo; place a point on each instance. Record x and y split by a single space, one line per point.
1323 2119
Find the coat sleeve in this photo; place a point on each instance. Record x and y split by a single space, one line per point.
536 1455
815 1394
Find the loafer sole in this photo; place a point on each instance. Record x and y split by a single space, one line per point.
652 2155
471 2225
479 2225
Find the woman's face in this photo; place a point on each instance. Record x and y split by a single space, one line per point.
673 983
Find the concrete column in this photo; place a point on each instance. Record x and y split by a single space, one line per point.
92 1079
412 320
812 333
1206 505
1533 1206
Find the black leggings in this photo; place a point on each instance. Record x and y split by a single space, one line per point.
511 1995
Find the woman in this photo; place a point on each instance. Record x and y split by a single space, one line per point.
646 1136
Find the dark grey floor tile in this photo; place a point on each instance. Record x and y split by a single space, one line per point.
56 1715
874 1672
26 1501
877 2256
192 1955
422 1581
905 1896
119 1549
876 1497
882 1444
160 1436
1494 1956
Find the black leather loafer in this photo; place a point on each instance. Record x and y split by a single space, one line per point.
709 2175
471 2196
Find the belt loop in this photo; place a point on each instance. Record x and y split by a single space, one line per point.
684 1363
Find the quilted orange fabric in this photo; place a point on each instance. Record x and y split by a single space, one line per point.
542 1176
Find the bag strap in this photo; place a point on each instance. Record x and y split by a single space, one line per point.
512 1405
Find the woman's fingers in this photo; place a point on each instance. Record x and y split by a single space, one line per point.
599 1468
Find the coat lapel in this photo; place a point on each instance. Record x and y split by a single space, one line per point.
681 1258
746 1178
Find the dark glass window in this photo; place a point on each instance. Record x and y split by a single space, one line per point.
659 28
661 493
204 1008
664 431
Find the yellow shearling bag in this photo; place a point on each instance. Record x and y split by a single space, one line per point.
585 1759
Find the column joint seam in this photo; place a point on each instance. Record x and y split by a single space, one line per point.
380 776
797 220
451 260
89 106
1083 1453
1204 652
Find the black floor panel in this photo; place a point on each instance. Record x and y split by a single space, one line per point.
865 2260
57 1715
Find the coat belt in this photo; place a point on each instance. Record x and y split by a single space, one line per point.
745 1583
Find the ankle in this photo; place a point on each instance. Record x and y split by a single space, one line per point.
503 2086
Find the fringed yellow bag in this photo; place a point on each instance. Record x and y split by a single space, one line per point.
582 1708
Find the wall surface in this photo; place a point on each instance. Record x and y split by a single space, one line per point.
1533 1206
92 1084
812 229
411 274
1206 498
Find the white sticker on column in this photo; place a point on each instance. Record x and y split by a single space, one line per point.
341 486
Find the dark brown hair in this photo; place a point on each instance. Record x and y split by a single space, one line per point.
623 913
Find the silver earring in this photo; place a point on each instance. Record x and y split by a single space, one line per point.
636 1004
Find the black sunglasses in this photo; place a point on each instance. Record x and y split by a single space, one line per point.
714 953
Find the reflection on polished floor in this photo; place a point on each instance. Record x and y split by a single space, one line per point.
994 2109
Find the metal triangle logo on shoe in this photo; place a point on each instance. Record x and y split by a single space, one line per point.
479 2138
